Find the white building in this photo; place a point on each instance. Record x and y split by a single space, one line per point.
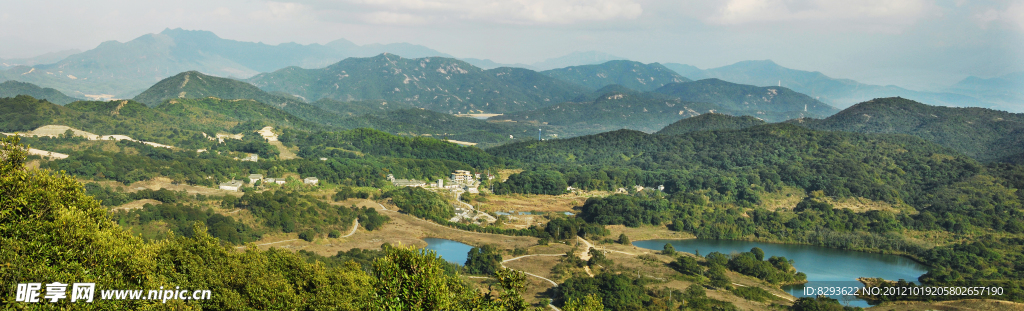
255 177
252 158
461 176
311 181
233 185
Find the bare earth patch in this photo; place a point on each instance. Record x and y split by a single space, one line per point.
137 204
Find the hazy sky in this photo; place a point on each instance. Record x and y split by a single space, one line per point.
914 43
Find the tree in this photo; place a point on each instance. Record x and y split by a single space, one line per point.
758 253
669 250
718 278
623 239
589 303
484 260
687 265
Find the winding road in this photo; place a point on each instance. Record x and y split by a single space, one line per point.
355 225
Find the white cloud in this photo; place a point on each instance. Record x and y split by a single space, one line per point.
492 11
877 14
1011 13
281 11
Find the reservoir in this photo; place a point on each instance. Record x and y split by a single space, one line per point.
823 266
451 251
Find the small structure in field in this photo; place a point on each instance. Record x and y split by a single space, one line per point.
311 181
409 183
233 185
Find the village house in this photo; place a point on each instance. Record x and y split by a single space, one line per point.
253 178
252 158
461 176
408 183
233 185
311 181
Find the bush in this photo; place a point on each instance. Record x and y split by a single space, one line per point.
334 234
623 239
669 250
753 293
307 235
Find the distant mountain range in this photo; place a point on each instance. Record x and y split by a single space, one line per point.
13 88
435 83
771 103
121 70
839 93
1006 91
618 107
634 75
47 58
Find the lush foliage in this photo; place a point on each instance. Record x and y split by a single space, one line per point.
710 122
180 219
12 88
420 202
294 212
483 260
435 83
58 234
983 134
533 182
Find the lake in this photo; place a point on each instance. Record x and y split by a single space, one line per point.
451 251
823 266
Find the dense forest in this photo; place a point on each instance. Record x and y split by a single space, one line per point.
57 233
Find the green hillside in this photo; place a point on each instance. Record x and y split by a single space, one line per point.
611 111
633 75
983 134
421 122
773 102
710 122
179 122
195 85
435 83
11 88
356 108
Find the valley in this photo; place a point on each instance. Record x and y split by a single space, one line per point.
306 176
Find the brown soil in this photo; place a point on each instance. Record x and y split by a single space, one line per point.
135 205
403 229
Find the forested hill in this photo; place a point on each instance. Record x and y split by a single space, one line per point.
981 133
611 111
710 122
435 83
740 97
11 88
634 75
894 168
195 85
178 122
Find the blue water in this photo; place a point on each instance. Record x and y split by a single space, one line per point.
453 252
823 266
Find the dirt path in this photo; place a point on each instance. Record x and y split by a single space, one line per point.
265 244
776 295
524 256
355 225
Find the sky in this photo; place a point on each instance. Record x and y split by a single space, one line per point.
921 44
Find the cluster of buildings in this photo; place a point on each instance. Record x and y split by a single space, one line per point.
235 185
